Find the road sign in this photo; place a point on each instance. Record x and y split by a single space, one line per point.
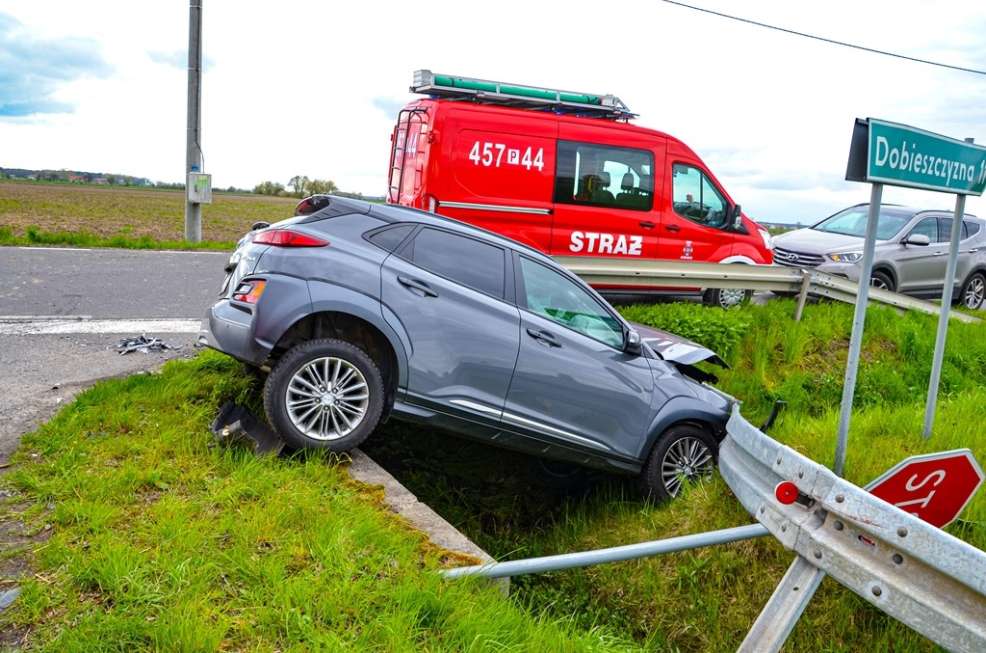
934 487
901 155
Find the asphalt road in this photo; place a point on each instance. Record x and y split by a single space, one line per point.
38 372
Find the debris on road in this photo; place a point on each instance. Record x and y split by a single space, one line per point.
144 345
235 423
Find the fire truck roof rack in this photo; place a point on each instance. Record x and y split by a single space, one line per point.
518 95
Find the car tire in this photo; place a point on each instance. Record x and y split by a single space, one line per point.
726 297
336 395
683 453
973 291
880 279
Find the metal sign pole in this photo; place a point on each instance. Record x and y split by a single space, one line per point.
946 306
859 318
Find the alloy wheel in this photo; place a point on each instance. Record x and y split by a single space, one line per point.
729 297
686 459
879 282
975 292
327 398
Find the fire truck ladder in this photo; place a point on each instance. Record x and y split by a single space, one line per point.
398 154
518 95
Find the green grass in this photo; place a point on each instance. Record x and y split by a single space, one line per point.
706 600
161 541
33 237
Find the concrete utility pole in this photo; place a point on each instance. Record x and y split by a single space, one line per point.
193 151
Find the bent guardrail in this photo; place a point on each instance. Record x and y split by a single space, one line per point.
686 274
919 574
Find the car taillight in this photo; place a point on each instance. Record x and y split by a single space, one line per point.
249 291
287 238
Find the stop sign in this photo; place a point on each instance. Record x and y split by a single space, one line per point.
934 487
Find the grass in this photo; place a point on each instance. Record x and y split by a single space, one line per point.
160 541
102 216
706 600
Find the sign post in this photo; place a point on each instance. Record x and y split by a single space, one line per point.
885 152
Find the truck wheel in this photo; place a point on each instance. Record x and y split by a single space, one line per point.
726 297
974 291
324 394
683 454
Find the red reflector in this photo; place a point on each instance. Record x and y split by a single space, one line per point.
249 291
288 238
786 492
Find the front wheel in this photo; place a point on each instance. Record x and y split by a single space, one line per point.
974 291
683 455
882 280
726 297
324 394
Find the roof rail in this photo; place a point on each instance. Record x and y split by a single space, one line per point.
519 95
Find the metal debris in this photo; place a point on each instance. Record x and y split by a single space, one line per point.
144 345
235 423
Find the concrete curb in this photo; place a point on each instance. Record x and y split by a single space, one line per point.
403 502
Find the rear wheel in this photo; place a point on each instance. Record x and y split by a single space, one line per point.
726 297
882 280
324 394
974 291
683 455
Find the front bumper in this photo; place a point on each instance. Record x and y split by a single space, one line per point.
846 270
231 330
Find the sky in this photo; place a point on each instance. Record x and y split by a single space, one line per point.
312 88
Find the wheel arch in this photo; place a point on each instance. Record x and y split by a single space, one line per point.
683 411
890 271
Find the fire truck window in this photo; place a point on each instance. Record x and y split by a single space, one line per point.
695 197
602 175
461 259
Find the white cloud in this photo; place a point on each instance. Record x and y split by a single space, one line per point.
312 88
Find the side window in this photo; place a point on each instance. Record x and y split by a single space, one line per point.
695 197
602 175
927 227
462 259
970 228
557 298
389 238
945 230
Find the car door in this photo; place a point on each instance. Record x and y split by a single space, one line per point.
694 224
574 384
604 195
921 268
963 262
452 295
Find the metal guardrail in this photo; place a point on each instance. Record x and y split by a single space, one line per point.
685 274
909 569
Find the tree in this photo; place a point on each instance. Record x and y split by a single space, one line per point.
321 186
269 188
299 184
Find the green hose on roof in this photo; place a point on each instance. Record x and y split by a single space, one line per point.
522 91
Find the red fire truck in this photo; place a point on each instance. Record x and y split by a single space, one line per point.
566 173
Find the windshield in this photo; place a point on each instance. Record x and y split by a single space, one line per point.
852 222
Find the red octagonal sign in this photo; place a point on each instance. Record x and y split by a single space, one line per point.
934 487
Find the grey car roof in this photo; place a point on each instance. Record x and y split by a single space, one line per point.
396 213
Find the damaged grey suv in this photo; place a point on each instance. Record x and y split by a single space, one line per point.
363 312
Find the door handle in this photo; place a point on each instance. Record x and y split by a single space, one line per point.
414 284
647 224
673 228
544 337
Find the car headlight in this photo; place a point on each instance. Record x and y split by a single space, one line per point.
768 241
848 257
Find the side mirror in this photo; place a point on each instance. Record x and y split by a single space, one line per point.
736 218
631 343
917 239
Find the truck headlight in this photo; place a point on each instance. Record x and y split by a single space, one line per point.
768 241
848 257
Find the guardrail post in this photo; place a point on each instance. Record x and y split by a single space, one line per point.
802 295
783 609
858 320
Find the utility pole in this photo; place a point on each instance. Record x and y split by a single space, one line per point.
193 148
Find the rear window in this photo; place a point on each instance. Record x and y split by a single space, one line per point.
389 238
464 260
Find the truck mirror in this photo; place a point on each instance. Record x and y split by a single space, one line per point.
737 217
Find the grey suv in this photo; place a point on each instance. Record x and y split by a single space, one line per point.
911 251
362 312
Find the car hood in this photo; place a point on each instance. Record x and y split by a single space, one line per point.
675 348
812 241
